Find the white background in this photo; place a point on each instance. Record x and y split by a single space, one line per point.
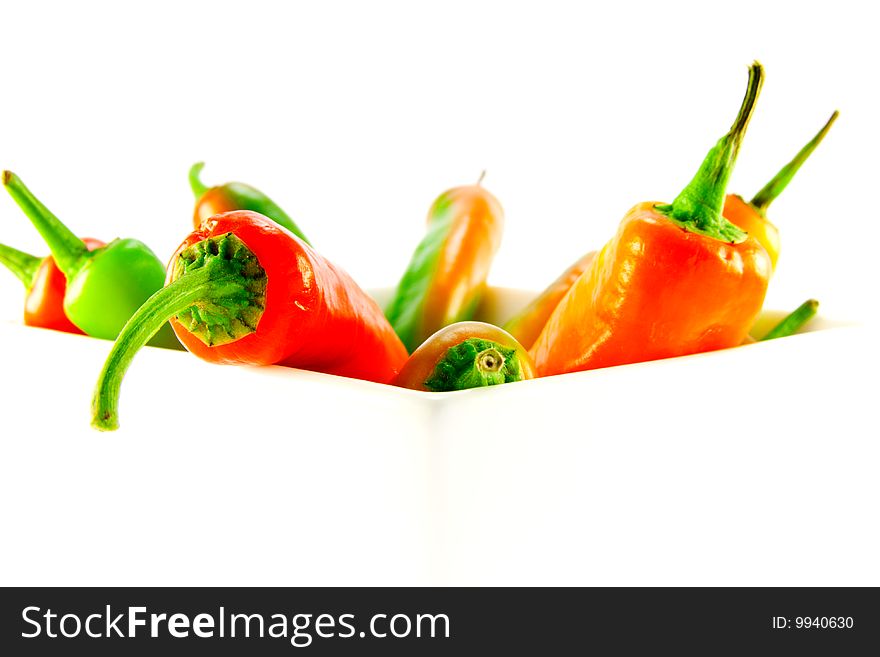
354 117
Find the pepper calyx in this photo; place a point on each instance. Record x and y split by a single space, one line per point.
237 305
475 363
697 219
218 285
698 207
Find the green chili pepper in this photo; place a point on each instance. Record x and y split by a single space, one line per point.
235 196
447 273
105 286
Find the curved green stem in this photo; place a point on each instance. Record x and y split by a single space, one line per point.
195 181
200 284
68 250
774 188
24 265
218 295
698 207
793 322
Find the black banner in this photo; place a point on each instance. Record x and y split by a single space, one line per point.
391 621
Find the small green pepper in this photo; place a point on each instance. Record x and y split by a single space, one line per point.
235 196
105 286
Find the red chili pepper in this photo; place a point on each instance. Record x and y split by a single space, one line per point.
45 285
241 289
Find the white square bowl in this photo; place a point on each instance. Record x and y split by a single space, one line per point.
754 465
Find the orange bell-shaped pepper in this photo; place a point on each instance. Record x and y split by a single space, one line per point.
676 279
526 325
751 216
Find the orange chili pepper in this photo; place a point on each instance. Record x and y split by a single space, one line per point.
747 215
676 279
45 286
235 196
526 325
466 355
751 216
447 273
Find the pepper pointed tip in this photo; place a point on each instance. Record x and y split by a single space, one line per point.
105 422
104 414
103 418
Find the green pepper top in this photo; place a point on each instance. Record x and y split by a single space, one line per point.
698 208
105 286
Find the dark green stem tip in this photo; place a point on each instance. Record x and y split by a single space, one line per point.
698 207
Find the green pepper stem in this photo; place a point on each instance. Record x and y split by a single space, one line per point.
774 188
206 283
195 181
68 250
482 176
793 322
698 207
24 265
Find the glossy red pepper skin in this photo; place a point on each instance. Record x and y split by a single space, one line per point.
44 299
242 289
44 302
316 317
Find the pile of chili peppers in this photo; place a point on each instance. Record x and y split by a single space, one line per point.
246 286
